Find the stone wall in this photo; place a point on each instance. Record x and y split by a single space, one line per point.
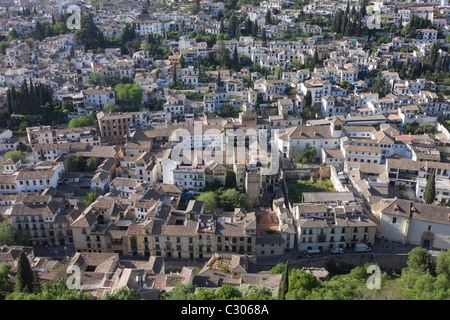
339 264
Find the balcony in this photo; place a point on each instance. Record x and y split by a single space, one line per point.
406 176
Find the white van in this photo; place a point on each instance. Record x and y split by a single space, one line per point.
336 250
362 247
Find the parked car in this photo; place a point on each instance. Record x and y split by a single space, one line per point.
337 250
314 253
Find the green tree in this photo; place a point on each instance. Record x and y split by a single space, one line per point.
74 163
300 279
268 17
15 154
13 34
36 283
221 27
209 200
227 110
236 65
278 269
179 292
24 277
227 292
284 284
93 163
135 94
129 92
223 55
420 260
82 121
230 179
111 107
6 285
121 294
316 58
196 7
443 264
430 189
10 236
204 294
90 198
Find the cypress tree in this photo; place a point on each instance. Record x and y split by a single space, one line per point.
36 283
430 189
9 101
363 9
24 277
221 28
248 26
316 57
219 82
235 59
14 99
268 17
344 24
255 29
174 76
237 33
284 283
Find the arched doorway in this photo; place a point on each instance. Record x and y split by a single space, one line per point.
427 239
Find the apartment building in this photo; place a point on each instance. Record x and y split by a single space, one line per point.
44 219
321 227
113 127
98 97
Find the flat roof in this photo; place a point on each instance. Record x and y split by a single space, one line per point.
315 197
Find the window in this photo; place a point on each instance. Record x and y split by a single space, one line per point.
394 220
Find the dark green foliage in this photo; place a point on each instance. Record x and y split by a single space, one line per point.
236 65
52 290
31 101
36 283
121 294
74 163
268 16
10 236
83 121
179 292
89 35
430 189
227 110
24 277
227 292
284 283
230 179
6 285
228 199
91 197
278 269
93 163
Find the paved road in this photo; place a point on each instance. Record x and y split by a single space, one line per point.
54 251
379 247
